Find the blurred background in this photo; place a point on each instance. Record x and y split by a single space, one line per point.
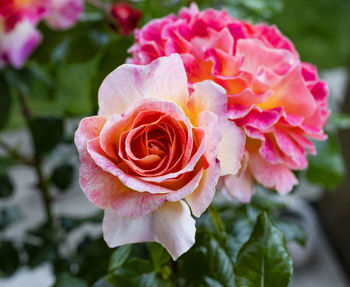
61 80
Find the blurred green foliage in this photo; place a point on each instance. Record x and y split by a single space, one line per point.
319 30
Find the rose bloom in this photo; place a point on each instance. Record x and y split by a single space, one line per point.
17 45
14 11
63 14
126 17
277 100
151 147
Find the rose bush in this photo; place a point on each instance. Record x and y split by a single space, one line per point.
152 146
277 100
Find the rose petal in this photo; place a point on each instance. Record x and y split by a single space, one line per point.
171 225
200 199
165 78
240 185
134 183
274 176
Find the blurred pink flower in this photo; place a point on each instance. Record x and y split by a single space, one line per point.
17 45
14 11
151 147
63 14
277 100
126 17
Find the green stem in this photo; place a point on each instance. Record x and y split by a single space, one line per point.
15 153
43 186
216 219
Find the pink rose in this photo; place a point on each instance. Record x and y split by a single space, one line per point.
14 11
152 146
277 100
63 14
126 17
17 45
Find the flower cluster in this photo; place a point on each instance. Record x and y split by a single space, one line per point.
18 19
205 100
277 100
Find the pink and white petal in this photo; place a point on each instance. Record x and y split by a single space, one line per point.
174 227
274 176
240 185
64 13
95 182
257 54
119 230
89 128
202 196
171 225
165 78
186 189
130 203
207 96
231 147
98 185
17 45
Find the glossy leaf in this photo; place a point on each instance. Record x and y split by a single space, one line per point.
62 176
264 260
119 256
47 132
6 186
10 260
68 280
158 254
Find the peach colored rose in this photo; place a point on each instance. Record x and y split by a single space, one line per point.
277 100
151 147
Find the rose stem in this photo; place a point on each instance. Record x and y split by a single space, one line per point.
43 186
15 153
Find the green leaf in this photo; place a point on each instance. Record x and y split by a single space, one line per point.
264 260
62 176
67 280
327 168
5 102
93 256
220 264
47 132
6 186
10 260
135 272
158 254
119 256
